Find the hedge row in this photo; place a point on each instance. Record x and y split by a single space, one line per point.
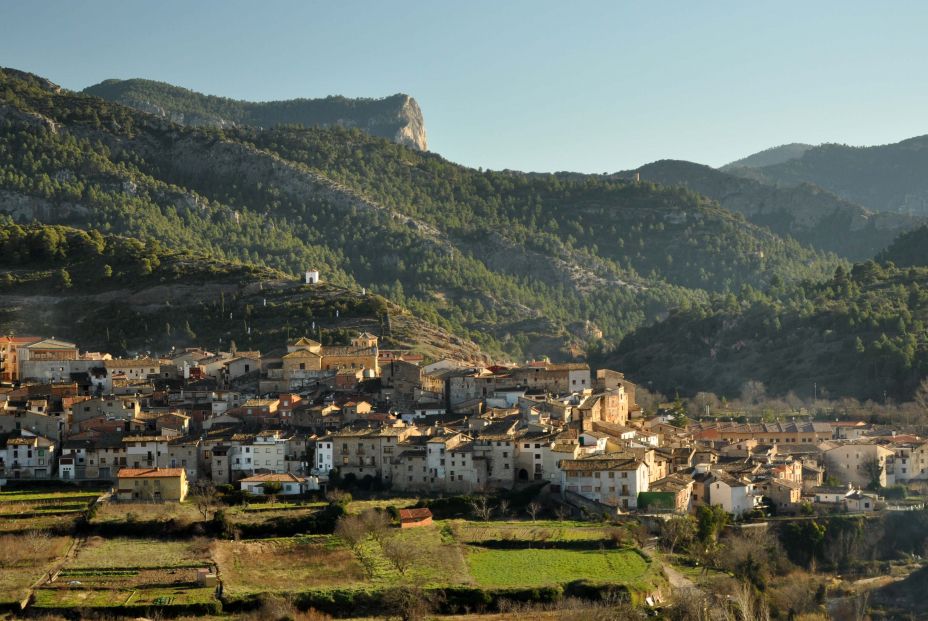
448 600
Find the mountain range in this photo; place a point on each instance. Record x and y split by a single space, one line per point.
522 264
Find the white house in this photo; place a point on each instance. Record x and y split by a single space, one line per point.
324 461
145 451
290 485
833 495
735 495
593 442
28 456
608 480
910 461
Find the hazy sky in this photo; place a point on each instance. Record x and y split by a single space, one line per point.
532 85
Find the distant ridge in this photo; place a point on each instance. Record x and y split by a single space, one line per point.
397 117
771 156
888 177
804 212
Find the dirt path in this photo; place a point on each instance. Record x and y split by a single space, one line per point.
678 580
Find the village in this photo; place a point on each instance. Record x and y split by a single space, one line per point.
309 417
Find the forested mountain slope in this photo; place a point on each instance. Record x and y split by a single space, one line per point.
805 212
881 178
525 264
773 155
861 334
907 250
123 295
397 118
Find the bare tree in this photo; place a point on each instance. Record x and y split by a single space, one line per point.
503 507
400 553
411 602
481 508
561 513
753 392
205 498
747 605
376 524
352 530
533 509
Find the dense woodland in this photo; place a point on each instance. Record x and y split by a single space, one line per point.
862 334
907 250
518 262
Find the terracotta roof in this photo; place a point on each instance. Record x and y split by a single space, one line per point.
415 514
150 473
272 477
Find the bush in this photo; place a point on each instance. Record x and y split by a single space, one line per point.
895 492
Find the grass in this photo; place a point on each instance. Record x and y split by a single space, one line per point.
257 514
533 567
24 558
281 506
285 564
321 561
358 506
477 532
144 512
125 552
41 523
107 573
47 497
76 597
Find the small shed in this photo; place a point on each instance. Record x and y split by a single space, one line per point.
206 578
410 518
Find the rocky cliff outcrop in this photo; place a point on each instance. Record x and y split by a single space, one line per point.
397 118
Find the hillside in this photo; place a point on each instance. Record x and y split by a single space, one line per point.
860 335
881 178
771 156
908 250
806 213
397 118
120 294
524 264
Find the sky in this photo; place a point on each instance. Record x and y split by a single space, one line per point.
530 85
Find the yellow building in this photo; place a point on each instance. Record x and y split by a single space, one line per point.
151 484
306 358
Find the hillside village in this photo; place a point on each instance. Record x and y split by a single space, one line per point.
311 417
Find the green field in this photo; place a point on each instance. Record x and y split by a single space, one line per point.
532 567
126 552
42 495
470 532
